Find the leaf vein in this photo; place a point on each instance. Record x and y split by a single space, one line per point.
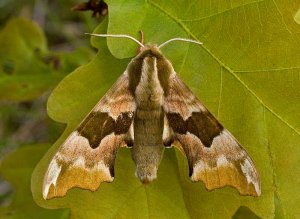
270 155
220 94
184 59
282 19
267 70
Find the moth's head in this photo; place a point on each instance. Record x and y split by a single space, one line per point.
150 50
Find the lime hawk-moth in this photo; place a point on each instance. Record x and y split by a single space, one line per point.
148 109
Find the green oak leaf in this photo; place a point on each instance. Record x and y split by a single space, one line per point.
247 74
17 168
23 73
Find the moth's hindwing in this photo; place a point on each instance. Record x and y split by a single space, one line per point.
213 154
87 156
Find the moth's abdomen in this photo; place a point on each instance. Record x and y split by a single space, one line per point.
148 148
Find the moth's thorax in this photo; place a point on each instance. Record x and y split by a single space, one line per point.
149 92
150 71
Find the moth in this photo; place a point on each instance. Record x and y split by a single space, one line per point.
148 109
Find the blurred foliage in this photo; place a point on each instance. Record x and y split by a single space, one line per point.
37 49
19 175
64 28
25 74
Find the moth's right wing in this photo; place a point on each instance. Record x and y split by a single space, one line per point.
86 158
214 155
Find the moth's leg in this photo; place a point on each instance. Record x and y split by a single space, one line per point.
168 134
129 137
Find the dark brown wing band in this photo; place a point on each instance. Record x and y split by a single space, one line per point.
201 124
99 124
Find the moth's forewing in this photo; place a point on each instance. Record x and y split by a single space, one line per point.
213 154
87 156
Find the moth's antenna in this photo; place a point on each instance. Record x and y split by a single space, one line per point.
117 36
142 42
179 39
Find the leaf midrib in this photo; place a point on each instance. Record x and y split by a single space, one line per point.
187 30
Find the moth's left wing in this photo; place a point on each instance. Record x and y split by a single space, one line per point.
87 156
213 154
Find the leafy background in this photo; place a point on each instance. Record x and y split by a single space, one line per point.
246 72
